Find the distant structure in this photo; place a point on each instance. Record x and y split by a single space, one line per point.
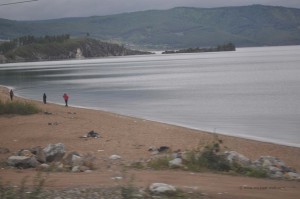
79 54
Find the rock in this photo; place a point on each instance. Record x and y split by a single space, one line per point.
39 154
77 160
235 157
177 162
4 150
54 152
22 162
84 168
115 157
293 176
76 169
161 188
25 152
43 166
277 174
68 158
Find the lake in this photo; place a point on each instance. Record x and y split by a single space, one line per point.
252 92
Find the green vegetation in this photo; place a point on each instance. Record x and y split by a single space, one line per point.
30 48
17 107
208 158
183 27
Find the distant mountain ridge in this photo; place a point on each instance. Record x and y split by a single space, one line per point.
182 27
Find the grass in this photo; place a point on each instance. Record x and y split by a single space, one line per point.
17 107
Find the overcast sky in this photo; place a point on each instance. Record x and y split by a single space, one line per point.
51 9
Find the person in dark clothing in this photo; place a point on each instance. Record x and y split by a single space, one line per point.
45 98
11 93
66 98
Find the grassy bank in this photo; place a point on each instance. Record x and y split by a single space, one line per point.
17 107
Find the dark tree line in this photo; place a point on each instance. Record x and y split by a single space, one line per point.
29 39
225 47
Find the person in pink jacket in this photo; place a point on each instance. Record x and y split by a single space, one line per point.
66 98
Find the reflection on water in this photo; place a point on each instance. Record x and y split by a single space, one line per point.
253 92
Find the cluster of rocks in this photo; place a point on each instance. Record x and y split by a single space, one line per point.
274 167
52 157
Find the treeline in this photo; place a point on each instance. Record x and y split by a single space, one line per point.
29 39
225 47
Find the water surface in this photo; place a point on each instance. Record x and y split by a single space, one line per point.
252 92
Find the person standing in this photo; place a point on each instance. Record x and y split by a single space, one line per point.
66 98
45 98
11 93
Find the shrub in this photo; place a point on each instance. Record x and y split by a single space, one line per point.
159 163
17 107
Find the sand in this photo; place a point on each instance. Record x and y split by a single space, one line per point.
131 138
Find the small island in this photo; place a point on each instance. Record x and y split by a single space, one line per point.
225 47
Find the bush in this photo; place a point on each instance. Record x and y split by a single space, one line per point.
17 107
159 163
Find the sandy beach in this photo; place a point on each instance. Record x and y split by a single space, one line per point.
131 138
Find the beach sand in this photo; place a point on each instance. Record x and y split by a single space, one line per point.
131 138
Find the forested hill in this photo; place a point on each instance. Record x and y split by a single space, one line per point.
255 25
30 48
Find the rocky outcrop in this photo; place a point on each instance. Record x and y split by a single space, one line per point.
51 157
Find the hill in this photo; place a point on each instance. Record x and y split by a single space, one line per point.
29 48
182 27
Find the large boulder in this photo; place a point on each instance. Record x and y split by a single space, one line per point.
22 162
54 152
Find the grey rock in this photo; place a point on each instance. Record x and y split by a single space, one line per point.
68 158
277 174
235 157
54 152
77 160
115 157
293 176
22 162
39 154
76 169
84 168
43 166
161 188
177 162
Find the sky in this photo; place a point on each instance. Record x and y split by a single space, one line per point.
53 9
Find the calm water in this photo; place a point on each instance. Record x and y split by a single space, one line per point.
253 92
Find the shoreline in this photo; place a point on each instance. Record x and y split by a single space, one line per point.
127 136
248 137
